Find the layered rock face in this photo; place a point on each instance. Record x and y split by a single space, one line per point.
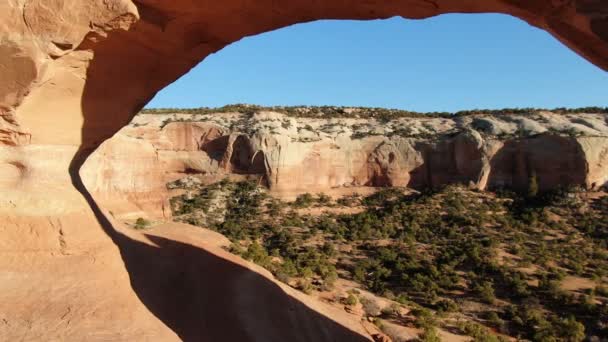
314 154
74 72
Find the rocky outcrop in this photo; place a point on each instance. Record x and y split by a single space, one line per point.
457 158
595 150
392 162
313 155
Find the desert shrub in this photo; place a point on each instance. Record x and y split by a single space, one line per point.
351 300
447 305
305 286
425 319
329 279
303 201
430 335
478 332
532 185
391 310
601 291
485 291
371 306
256 253
349 200
381 114
141 223
495 321
380 198
323 199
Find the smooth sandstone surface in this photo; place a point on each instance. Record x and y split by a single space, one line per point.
73 72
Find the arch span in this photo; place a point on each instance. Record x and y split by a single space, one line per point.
75 71
92 64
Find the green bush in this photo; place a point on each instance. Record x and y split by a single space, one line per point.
425 319
303 201
141 223
430 335
485 291
447 305
323 199
532 185
477 331
351 300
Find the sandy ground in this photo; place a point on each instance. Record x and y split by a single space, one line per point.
573 283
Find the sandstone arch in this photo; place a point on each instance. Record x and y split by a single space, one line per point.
87 66
82 69
74 72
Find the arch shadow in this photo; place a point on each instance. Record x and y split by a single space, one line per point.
197 294
192 291
203 297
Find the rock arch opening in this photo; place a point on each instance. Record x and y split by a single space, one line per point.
78 71
146 45
216 148
458 160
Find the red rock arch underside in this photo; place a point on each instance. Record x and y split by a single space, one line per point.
72 73
92 64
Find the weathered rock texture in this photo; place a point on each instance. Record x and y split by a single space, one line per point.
73 72
62 60
308 155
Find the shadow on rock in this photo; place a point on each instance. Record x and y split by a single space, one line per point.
203 297
199 295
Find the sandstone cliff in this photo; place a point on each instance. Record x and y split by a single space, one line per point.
290 154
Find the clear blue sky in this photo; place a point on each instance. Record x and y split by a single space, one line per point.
447 63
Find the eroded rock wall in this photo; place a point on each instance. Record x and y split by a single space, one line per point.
314 155
596 158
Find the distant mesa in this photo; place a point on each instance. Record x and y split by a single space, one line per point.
308 149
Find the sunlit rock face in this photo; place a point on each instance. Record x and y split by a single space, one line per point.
73 72
297 155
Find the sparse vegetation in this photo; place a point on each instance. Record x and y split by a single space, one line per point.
141 223
382 114
495 262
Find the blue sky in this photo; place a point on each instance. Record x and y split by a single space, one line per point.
447 63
